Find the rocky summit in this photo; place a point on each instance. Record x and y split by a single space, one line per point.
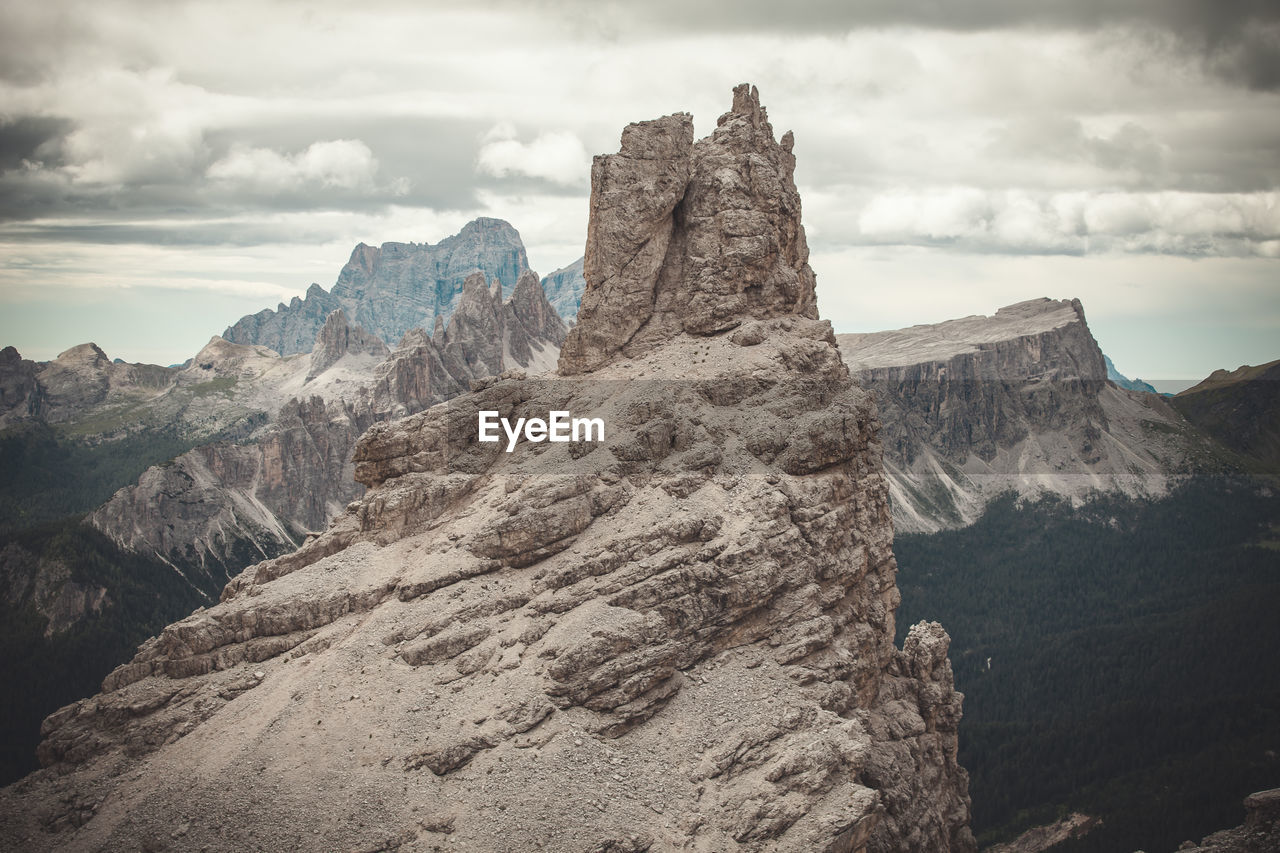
686 237
393 288
677 638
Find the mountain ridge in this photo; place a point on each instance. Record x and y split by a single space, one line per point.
1016 401
392 288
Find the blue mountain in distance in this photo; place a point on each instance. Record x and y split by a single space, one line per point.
1124 381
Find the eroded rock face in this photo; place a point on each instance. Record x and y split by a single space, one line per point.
81 379
690 238
564 288
20 393
678 637
1020 401
338 338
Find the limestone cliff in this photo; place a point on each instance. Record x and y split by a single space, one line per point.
392 288
1017 401
677 637
338 338
690 238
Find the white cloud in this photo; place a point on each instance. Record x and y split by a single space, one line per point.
1028 222
346 164
557 156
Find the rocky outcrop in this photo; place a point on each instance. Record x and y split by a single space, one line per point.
20 393
390 289
83 378
1017 401
338 338
1260 832
533 317
220 507
564 289
47 587
679 636
1041 838
690 238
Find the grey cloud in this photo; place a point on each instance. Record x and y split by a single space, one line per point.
420 163
32 138
1210 20
195 233
1237 39
1131 149
1072 223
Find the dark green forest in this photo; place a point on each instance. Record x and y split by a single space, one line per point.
45 475
1132 647
47 481
144 595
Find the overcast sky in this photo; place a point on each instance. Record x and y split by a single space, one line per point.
166 167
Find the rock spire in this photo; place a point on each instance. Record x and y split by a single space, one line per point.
693 238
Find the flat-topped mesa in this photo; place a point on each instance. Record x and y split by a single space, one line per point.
686 237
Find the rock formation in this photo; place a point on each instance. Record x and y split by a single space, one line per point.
83 378
679 637
338 338
19 390
1125 382
1017 401
391 289
289 328
690 238
48 587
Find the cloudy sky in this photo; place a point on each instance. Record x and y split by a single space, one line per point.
166 167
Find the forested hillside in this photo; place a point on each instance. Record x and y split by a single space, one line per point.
73 605
1117 659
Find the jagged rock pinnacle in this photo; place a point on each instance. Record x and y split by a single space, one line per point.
337 338
690 238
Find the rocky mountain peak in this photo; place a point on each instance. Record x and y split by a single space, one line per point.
337 338
89 354
537 316
389 289
20 393
690 238
979 405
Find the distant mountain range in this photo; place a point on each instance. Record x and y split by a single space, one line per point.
1125 382
393 288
